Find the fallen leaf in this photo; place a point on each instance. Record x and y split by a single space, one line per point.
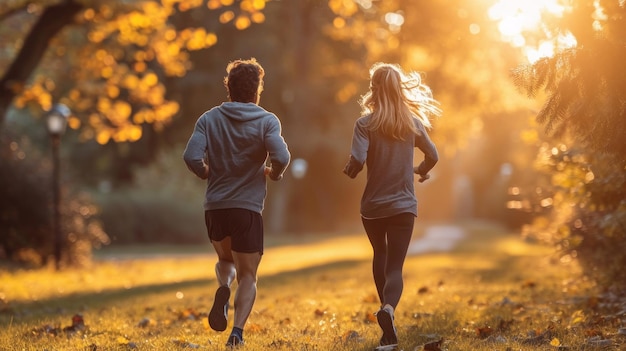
350 335
78 324
146 322
555 342
255 328
577 317
593 332
46 329
483 332
319 312
122 340
190 314
433 345
370 318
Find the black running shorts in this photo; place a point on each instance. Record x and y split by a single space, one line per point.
244 227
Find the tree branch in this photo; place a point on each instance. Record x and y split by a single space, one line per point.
52 20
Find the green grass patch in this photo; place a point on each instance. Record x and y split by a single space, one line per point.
492 292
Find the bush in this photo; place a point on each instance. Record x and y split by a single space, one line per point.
587 220
26 215
164 205
132 215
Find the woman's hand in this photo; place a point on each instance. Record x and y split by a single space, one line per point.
424 177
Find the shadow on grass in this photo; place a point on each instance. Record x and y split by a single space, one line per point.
28 311
25 312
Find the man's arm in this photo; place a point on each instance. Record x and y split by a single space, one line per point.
195 151
277 148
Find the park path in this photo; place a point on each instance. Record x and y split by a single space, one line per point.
436 238
276 259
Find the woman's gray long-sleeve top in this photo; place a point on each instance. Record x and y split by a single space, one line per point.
390 173
235 139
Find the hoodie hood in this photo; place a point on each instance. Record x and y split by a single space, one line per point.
242 111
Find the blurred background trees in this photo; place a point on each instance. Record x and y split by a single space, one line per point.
137 74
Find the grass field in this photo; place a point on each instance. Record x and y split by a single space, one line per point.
491 292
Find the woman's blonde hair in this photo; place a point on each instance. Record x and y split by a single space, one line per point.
395 98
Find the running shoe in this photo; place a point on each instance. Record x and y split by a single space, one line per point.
389 340
234 341
218 317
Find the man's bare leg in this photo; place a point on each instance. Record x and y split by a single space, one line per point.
246 265
225 266
225 273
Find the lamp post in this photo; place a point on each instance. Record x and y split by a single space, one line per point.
56 121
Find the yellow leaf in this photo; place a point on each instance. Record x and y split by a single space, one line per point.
73 122
140 66
106 72
113 91
258 17
122 340
150 79
242 22
103 137
213 4
227 16
134 133
130 82
122 109
211 39
104 105
258 4
555 342
74 94
577 317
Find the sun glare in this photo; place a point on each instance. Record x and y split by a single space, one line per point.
516 18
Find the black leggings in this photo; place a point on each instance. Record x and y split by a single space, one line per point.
390 238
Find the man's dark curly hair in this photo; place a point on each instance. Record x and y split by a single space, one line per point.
244 80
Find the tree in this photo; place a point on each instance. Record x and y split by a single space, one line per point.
586 107
585 84
108 59
108 62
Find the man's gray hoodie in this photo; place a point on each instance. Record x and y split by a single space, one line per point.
235 140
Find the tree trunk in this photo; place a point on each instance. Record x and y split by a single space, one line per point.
52 20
